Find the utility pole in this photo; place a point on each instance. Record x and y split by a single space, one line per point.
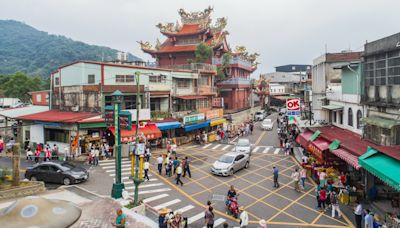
135 155
16 163
118 186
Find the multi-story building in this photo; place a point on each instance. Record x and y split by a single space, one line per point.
292 81
178 52
323 74
381 90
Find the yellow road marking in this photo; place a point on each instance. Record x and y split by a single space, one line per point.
260 137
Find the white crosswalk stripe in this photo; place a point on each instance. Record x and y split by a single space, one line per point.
195 218
153 191
123 173
144 186
256 148
113 166
172 202
266 150
206 146
217 222
277 150
215 147
184 209
111 161
225 147
157 197
122 169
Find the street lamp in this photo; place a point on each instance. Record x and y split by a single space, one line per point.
118 186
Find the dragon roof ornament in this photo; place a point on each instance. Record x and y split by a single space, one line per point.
168 27
242 52
145 45
220 25
202 17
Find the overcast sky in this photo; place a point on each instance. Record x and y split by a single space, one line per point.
282 31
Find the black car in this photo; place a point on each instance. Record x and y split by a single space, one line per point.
57 172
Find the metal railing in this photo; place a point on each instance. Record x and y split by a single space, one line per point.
234 60
192 66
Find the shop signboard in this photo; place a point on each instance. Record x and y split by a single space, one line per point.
140 149
293 106
125 118
193 118
316 152
214 113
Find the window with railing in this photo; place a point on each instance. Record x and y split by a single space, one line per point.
182 83
157 78
124 78
203 80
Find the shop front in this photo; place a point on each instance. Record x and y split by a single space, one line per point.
218 124
149 131
304 138
318 149
168 128
92 132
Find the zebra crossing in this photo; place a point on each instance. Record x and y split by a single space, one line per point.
228 148
158 194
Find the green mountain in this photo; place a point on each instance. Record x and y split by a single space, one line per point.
26 49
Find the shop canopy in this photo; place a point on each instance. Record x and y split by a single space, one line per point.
22 111
216 122
347 157
333 107
334 145
381 122
191 97
168 125
150 131
304 138
318 147
382 166
315 135
58 116
197 126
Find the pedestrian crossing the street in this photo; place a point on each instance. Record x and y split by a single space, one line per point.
231 148
158 194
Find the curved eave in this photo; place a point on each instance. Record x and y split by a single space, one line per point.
173 34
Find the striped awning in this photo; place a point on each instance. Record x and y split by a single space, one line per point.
347 157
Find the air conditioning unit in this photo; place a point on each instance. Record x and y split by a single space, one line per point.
75 108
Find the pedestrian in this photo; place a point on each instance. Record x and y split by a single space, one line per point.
368 219
303 177
1 144
166 163
322 178
322 197
296 177
54 152
317 190
160 161
178 175
148 153
209 217
251 127
163 218
37 155
170 167
96 156
176 163
244 217
342 178
275 171
225 225
304 160
29 153
120 220
287 148
186 168
263 223
292 147
47 154
176 222
66 153
146 170
335 204
358 210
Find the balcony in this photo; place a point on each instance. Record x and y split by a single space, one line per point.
206 90
234 61
201 67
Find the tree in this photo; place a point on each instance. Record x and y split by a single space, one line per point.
19 86
222 71
203 53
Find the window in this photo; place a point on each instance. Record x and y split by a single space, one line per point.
91 79
157 78
108 101
38 97
334 117
57 81
204 80
340 117
130 102
155 104
182 83
43 168
350 117
240 157
53 168
359 116
124 78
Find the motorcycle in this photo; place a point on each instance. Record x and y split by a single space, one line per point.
233 207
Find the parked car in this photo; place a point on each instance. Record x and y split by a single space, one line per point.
243 146
57 172
267 124
260 115
230 163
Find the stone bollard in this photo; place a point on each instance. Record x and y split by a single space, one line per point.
16 164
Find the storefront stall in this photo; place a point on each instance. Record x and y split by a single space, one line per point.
304 138
318 149
168 128
148 131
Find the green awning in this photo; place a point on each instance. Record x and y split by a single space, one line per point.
92 125
333 107
382 166
291 120
381 122
334 145
315 135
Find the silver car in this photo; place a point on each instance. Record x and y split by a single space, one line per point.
229 163
243 146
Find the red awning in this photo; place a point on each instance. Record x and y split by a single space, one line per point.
303 138
58 116
348 157
150 131
318 148
191 97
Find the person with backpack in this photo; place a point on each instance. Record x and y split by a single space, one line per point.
209 217
335 204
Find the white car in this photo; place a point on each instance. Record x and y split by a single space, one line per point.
243 146
267 124
260 115
229 163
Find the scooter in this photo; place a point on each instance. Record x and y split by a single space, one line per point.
233 207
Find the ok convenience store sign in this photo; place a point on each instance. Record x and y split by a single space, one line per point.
293 106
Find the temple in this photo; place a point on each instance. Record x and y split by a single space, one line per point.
228 72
